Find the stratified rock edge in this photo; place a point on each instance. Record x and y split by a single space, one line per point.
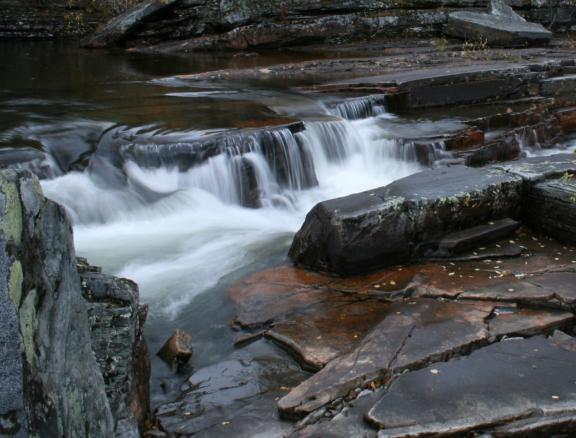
50 381
389 225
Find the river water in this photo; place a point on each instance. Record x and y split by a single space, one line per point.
183 234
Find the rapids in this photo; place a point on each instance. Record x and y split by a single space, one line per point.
196 233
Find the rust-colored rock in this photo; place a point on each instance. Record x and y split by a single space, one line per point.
567 119
178 349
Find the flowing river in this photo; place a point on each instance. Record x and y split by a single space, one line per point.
185 235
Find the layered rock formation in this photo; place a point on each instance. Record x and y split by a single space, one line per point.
50 379
396 223
54 19
207 24
453 333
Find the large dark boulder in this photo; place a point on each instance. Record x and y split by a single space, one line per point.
388 225
499 26
395 223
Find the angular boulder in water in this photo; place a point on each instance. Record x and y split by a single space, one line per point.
388 225
178 349
499 26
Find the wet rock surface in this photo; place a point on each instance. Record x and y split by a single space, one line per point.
388 225
426 321
116 322
75 361
483 390
236 396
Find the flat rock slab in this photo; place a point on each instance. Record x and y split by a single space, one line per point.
500 26
547 289
320 335
513 380
476 26
460 241
416 78
413 334
540 168
283 293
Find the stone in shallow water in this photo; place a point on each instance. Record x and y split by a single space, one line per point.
177 349
364 231
512 380
502 26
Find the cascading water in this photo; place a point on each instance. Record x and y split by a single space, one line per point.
197 230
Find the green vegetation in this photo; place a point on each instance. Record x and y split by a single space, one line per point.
441 44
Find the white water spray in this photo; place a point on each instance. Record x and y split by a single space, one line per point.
196 233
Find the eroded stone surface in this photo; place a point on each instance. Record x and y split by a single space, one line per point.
58 389
321 335
414 333
116 321
489 387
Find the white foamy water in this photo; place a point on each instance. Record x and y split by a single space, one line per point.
196 233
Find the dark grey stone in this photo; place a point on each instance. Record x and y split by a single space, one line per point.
51 342
384 226
550 207
470 238
413 334
558 86
61 388
488 388
235 396
116 322
120 27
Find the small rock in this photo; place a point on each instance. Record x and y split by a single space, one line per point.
177 349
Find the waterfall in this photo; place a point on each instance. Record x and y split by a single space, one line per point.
196 230
360 107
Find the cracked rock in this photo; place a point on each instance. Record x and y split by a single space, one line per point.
485 390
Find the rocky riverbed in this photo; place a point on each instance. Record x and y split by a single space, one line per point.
369 233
